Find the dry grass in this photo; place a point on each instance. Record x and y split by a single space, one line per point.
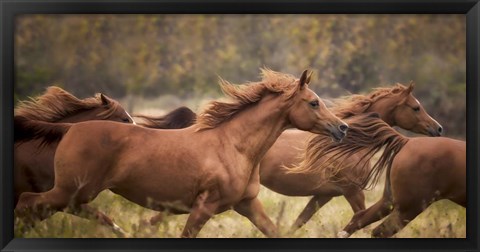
441 220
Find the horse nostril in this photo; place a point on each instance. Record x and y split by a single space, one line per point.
343 127
440 129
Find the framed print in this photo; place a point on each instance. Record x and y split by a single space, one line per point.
127 125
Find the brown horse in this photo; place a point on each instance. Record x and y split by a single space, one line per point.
390 103
203 170
179 118
33 171
396 105
419 171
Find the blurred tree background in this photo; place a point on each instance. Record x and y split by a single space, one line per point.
176 60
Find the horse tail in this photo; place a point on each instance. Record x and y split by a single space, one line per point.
387 191
26 129
177 119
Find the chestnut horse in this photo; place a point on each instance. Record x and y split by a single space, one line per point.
390 103
396 105
203 170
33 170
419 171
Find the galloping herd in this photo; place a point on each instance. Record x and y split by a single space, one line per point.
275 132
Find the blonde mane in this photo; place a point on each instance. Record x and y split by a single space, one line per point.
244 95
367 133
356 104
56 104
350 107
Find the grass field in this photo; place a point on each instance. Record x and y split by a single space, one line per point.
443 219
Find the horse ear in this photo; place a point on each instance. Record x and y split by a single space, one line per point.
303 78
105 99
410 87
309 77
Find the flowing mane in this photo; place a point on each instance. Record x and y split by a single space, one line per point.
56 104
355 104
181 117
244 95
367 133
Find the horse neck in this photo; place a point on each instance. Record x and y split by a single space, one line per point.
384 108
84 115
254 130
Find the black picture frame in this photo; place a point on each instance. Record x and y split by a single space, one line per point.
10 8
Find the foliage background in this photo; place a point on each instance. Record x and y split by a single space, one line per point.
163 61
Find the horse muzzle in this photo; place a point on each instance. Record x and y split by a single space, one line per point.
435 131
339 132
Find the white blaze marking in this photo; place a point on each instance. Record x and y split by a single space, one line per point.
417 101
438 124
131 118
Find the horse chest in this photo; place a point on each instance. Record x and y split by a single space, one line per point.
235 180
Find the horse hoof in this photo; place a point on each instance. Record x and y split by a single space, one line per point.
119 231
343 234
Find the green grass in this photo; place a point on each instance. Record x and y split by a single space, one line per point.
443 219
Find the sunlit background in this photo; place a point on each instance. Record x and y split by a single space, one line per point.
155 63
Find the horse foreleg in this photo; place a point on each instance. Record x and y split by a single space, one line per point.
201 212
366 217
395 222
90 213
253 210
310 209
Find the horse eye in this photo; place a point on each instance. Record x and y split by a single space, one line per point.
314 104
416 109
125 120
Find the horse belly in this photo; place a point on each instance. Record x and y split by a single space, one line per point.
292 184
157 199
156 182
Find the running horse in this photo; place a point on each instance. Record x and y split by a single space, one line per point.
419 171
202 170
33 169
395 105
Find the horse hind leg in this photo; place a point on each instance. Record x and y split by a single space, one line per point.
32 207
362 218
356 199
91 213
39 206
396 221
310 209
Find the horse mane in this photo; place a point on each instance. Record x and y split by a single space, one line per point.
244 95
181 117
367 133
26 130
56 104
355 104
